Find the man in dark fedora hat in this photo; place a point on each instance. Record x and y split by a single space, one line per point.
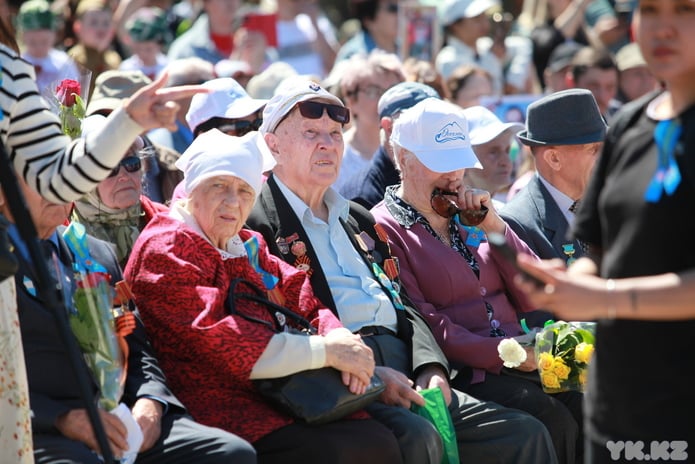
565 132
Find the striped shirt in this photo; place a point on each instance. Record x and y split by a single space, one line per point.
60 170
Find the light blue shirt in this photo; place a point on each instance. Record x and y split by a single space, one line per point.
563 201
359 299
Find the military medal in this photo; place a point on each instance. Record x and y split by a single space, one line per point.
285 242
283 245
303 263
568 250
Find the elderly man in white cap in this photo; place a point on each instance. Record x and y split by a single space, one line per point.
463 288
337 242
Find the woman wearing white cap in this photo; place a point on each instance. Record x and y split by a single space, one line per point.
462 287
181 270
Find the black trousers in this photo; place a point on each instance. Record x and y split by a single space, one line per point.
561 413
342 442
485 431
183 441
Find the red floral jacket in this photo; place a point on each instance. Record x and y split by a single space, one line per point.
180 282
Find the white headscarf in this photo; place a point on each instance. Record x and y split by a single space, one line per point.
215 153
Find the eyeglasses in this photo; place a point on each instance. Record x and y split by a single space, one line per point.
129 163
240 128
391 7
447 208
314 110
373 92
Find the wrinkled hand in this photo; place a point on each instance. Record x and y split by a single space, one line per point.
347 352
471 198
399 389
154 106
148 414
431 377
75 424
530 364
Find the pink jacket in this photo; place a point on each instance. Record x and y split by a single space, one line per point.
447 292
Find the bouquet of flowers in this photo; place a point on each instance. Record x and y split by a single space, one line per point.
563 351
92 319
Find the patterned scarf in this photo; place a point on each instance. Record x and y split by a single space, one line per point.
120 227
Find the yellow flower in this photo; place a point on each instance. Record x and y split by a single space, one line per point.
550 380
583 352
561 369
545 362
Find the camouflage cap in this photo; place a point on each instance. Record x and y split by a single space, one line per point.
149 24
35 15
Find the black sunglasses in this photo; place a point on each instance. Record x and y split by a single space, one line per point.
447 208
129 163
314 110
240 128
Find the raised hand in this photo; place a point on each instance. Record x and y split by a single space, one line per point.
155 106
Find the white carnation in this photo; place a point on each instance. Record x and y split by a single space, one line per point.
511 352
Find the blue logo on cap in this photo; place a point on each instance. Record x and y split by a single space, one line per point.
314 86
450 132
235 93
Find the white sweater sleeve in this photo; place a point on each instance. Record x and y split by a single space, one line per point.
289 353
60 170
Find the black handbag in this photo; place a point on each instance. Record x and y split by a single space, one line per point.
315 396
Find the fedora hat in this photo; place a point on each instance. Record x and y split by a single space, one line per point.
568 117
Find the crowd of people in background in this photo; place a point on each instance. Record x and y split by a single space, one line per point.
367 173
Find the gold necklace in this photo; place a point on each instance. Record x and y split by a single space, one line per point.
444 238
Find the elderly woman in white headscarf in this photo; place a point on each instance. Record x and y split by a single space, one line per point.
180 271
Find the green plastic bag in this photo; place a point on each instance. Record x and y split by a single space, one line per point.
436 412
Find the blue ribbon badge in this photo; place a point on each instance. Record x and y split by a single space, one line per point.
667 176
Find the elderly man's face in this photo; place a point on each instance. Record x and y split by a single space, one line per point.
308 152
47 216
419 181
497 165
220 206
577 164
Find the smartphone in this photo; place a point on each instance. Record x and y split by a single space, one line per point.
265 24
499 243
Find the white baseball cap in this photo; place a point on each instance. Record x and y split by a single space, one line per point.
436 131
214 153
228 99
484 125
282 103
453 10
